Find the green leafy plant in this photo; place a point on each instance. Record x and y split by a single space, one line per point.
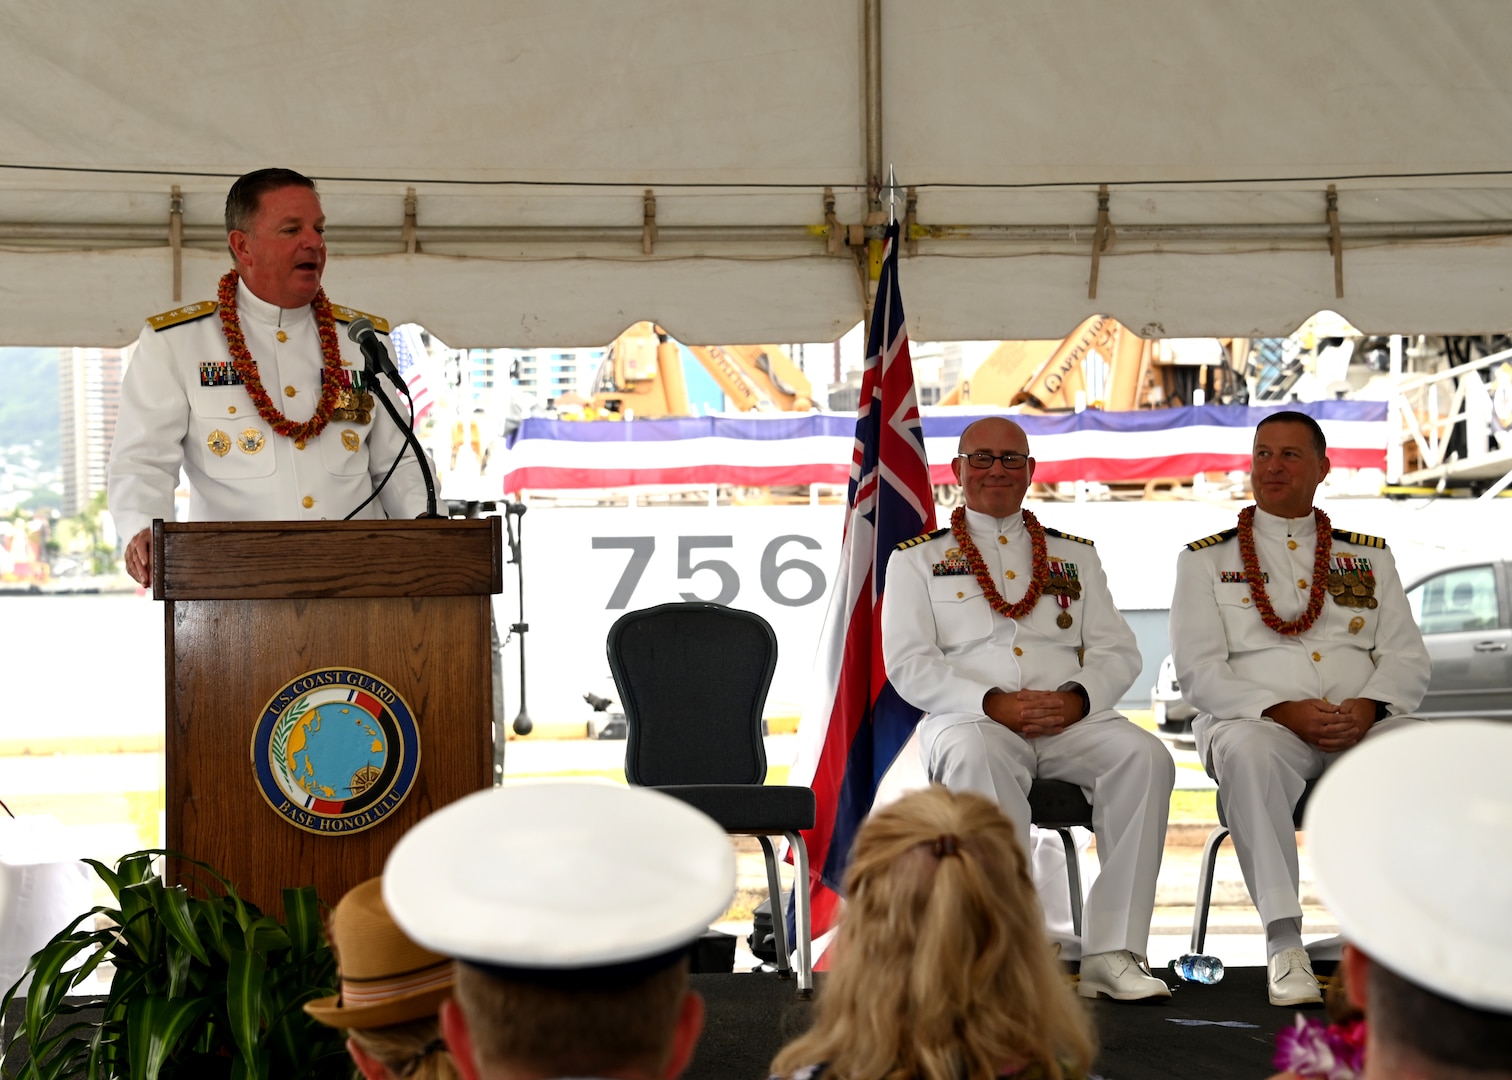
204 987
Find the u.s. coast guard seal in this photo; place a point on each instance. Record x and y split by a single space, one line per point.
335 751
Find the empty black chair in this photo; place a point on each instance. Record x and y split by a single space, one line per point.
693 679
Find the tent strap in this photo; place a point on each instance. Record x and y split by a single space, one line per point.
1102 238
176 240
1335 241
835 233
411 223
911 219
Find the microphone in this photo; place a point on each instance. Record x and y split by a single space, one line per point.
365 334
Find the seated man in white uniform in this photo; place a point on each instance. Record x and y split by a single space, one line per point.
258 395
1294 641
1006 634
572 935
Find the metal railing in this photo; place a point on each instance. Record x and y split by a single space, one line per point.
1428 410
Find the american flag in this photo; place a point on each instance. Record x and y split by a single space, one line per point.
409 350
858 725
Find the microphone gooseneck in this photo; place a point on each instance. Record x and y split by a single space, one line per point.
365 334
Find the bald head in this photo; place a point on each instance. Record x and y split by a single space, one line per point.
996 490
991 429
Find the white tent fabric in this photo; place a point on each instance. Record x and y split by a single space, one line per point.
532 130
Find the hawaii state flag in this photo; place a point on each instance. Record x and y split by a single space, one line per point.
857 723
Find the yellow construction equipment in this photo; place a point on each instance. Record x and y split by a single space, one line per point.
1101 364
642 377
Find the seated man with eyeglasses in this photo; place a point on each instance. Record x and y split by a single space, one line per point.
1006 633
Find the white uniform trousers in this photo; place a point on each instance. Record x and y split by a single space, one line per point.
1261 769
1125 772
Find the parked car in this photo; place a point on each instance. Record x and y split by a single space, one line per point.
1173 715
1465 614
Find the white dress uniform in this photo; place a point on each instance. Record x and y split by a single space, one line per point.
182 406
946 648
1232 667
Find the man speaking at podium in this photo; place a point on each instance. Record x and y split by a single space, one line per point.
257 395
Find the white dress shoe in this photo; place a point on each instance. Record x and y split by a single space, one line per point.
1291 979
1119 975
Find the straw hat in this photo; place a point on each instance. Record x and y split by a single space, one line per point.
385 977
571 884
1408 835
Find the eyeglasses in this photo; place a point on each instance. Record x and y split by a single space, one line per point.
981 459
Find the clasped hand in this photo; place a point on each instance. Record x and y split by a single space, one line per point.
1329 727
1033 713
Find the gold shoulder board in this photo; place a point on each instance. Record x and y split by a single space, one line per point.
917 540
187 313
1358 539
1216 538
346 314
1068 536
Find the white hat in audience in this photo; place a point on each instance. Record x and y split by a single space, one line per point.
1410 835
561 881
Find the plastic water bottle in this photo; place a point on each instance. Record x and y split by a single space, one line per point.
1198 968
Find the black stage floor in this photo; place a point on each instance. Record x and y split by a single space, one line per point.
1227 1030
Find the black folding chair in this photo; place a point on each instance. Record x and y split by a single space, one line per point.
693 679
1060 805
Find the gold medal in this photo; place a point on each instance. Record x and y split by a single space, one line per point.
1064 620
1356 624
350 440
219 443
250 441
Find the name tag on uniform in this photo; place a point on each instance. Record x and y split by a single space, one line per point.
218 373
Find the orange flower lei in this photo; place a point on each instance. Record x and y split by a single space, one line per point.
1040 562
332 378
1256 580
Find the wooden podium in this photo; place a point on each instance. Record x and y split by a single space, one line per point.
262 618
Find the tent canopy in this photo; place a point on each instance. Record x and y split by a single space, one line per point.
578 165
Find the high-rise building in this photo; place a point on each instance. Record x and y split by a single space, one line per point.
89 385
546 374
